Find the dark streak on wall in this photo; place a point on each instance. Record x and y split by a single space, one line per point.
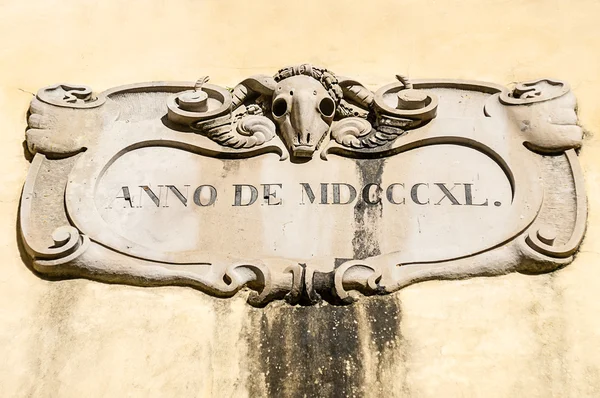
365 243
306 352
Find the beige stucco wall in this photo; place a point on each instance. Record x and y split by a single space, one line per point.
534 336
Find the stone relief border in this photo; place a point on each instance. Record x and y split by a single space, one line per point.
250 120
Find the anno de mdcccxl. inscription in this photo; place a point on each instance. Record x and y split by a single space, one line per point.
303 185
341 194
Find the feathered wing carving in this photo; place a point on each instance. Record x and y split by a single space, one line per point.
246 132
358 133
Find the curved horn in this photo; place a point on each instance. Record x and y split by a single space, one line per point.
260 84
357 93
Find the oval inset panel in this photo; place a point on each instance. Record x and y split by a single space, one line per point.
435 202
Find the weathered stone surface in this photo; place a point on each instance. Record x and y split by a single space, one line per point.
191 184
507 336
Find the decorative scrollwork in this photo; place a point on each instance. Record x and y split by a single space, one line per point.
542 111
69 244
401 101
67 240
356 275
255 276
51 127
534 91
542 239
205 102
295 294
70 96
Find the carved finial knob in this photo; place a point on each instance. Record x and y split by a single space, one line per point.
546 234
411 99
197 100
193 101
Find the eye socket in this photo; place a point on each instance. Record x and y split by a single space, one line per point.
279 107
327 107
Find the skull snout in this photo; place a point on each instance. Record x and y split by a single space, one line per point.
304 111
306 121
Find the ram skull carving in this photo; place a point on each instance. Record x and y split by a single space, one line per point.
302 103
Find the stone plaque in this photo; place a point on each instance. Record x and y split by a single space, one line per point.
302 186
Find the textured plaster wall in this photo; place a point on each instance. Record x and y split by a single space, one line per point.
533 336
